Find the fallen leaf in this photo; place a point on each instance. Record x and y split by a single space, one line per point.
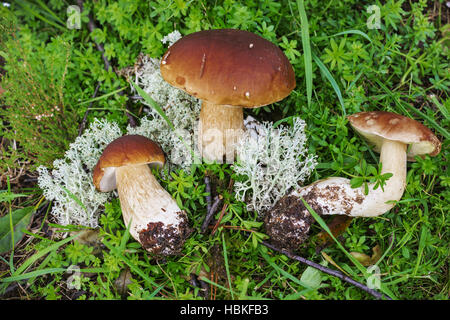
337 227
122 282
88 237
365 260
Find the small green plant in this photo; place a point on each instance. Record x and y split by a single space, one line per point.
35 118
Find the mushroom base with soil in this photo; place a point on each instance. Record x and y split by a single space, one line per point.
156 220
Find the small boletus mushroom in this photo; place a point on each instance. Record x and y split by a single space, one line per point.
396 138
157 222
228 70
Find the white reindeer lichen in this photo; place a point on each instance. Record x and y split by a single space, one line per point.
271 161
70 182
171 38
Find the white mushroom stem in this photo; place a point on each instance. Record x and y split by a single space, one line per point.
220 127
144 201
335 195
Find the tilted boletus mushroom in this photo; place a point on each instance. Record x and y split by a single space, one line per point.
157 222
396 138
228 70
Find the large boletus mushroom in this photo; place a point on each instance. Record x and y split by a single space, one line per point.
157 222
396 138
228 70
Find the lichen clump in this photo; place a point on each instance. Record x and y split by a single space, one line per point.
271 161
69 185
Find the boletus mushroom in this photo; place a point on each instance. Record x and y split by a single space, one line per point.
157 222
396 138
228 70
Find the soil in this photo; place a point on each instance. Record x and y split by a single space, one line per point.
288 223
165 240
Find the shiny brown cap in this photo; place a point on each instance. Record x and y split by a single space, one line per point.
378 125
124 151
229 67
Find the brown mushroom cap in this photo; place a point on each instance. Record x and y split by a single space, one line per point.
229 67
124 151
378 125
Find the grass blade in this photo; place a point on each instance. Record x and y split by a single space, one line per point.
422 243
43 5
27 8
153 103
330 78
42 253
75 198
353 31
32 274
306 49
101 97
227 268
441 108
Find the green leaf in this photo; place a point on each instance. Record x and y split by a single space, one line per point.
20 220
251 224
311 277
254 241
356 182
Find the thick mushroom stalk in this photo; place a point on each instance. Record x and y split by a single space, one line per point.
390 134
153 216
219 129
